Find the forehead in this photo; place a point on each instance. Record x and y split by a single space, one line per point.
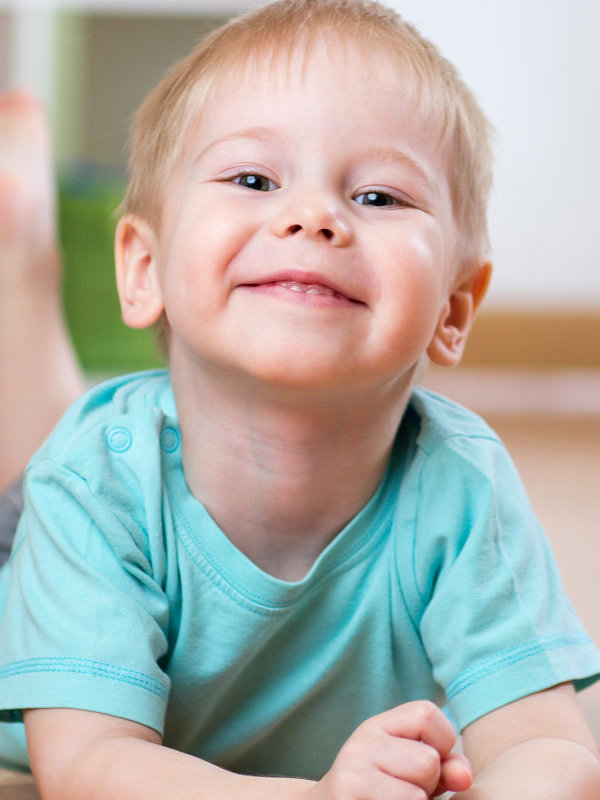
329 58
335 82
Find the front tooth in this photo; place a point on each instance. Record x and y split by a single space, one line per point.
311 288
315 288
293 286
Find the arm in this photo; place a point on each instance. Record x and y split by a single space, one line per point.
404 753
538 748
76 754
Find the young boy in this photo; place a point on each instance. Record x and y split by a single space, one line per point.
279 558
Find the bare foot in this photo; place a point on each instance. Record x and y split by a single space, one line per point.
39 373
28 251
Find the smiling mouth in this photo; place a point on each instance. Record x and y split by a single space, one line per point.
302 288
307 288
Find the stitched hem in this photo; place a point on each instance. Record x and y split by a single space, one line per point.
509 657
85 666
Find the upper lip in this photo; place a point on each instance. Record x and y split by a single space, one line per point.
309 278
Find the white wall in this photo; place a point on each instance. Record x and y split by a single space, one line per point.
31 50
535 67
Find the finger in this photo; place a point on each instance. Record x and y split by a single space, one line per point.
455 775
420 721
380 786
409 761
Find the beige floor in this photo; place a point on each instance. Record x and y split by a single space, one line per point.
551 426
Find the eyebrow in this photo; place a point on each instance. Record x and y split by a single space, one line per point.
257 134
394 156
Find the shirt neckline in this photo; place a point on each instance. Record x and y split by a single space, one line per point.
212 551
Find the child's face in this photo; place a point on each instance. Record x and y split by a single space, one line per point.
308 238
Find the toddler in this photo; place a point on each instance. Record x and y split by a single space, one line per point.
263 572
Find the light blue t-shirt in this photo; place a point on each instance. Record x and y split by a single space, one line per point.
123 596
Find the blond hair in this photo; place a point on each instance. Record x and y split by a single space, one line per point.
161 123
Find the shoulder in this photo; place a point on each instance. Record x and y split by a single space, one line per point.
99 476
103 417
452 443
441 420
468 504
481 582
463 483
110 446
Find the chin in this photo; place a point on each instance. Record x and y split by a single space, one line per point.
298 377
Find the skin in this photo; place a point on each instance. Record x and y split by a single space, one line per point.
40 367
279 389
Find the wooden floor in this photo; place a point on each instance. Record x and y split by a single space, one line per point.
16 787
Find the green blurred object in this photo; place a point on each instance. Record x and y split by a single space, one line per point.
103 343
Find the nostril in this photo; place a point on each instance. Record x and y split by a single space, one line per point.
296 228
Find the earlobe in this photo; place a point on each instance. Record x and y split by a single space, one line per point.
447 346
136 271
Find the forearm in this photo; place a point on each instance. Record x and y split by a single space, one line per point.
539 769
131 769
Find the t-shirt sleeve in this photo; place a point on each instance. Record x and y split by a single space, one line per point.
496 622
85 620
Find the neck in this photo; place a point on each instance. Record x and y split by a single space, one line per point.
280 473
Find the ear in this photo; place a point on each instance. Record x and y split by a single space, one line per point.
448 343
136 250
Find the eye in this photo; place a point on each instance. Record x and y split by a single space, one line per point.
377 199
251 180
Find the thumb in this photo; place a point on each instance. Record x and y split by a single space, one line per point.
456 775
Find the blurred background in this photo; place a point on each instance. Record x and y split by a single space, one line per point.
532 367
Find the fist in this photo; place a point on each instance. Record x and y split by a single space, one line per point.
402 754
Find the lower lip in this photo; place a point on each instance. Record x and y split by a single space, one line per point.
303 298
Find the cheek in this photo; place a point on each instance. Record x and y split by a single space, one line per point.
412 294
415 272
192 261
186 299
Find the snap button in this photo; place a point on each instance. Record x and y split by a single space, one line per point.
118 440
169 440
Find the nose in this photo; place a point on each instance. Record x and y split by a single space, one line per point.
314 215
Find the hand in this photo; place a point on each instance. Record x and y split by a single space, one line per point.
402 754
